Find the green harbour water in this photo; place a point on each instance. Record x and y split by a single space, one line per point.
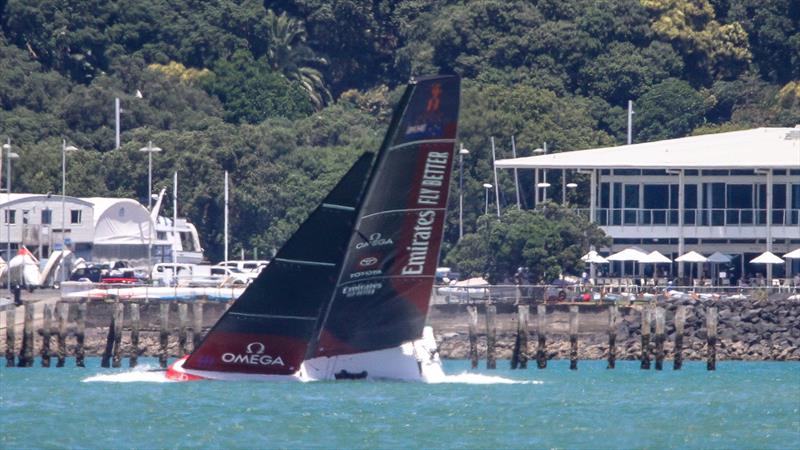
741 405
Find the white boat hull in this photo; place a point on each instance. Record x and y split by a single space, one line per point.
411 361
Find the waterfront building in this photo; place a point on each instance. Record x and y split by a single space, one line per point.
97 229
737 193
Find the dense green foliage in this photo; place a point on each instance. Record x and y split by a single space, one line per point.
548 242
285 95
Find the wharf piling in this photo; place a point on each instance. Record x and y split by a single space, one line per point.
119 309
472 311
197 326
680 321
183 322
134 358
660 338
711 332
163 337
26 352
47 324
612 336
11 322
80 334
541 346
645 338
573 337
63 316
519 358
491 336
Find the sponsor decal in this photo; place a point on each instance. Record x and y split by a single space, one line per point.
432 118
375 240
430 193
361 289
369 261
365 273
254 356
435 100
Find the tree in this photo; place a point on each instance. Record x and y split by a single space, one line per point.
289 54
670 109
712 49
548 241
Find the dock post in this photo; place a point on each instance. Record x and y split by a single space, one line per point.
491 336
105 360
119 310
197 326
645 338
541 347
473 335
660 338
519 358
63 315
47 324
680 321
711 326
11 324
573 337
134 358
163 336
612 336
26 352
183 321
80 334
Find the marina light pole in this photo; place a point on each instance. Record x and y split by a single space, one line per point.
544 184
64 149
9 156
486 187
461 152
150 150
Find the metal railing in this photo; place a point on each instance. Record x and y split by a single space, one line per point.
625 292
697 216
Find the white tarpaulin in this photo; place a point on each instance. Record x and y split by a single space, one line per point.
120 222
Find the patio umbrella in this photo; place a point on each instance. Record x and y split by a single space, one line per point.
655 258
593 258
692 257
717 258
794 254
770 259
629 254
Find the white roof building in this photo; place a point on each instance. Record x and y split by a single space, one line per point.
737 192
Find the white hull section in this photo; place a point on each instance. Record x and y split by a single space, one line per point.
411 361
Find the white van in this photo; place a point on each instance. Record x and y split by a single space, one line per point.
248 265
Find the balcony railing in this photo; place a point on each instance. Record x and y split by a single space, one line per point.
700 217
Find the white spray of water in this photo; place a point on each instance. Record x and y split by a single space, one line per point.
140 374
477 378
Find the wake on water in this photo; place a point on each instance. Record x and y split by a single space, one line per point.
144 374
151 374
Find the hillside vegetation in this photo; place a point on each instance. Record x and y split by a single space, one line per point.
285 95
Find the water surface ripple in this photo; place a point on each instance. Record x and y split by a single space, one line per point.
741 405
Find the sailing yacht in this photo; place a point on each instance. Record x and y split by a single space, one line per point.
347 296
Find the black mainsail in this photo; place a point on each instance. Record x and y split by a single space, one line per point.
268 328
382 295
357 274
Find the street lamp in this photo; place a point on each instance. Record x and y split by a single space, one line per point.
461 153
64 149
150 150
9 156
487 187
543 151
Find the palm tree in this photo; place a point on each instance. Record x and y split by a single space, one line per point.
288 53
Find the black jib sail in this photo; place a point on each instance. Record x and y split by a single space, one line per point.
382 295
268 328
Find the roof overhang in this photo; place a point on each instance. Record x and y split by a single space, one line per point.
758 148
